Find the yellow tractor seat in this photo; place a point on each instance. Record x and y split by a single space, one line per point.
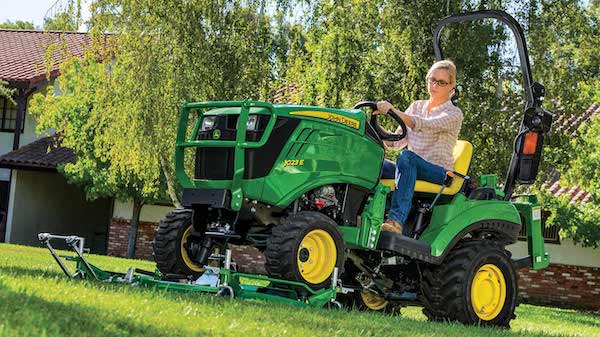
462 153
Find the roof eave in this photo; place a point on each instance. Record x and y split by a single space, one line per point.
27 167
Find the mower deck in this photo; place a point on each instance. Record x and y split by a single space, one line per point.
219 281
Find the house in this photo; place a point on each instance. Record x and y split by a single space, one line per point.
34 197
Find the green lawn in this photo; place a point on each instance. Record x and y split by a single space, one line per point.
36 299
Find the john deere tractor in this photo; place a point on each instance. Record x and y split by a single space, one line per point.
303 185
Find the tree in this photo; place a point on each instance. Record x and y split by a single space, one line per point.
17 25
563 43
173 52
61 22
120 115
562 36
580 221
74 113
65 16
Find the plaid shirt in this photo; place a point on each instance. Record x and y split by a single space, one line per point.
434 135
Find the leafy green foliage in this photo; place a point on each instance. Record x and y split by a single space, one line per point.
74 113
566 59
18 24
576 221
66 18
36 299
6 92
336 68
170 52
580 221
584 170
562 38
61 22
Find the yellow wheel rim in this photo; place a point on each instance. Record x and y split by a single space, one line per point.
372 300
184 254
488 292
317 256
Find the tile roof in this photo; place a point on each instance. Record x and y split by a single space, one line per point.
575 193
22 53
42 154
569 125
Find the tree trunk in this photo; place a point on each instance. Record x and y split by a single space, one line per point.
135 220
168 178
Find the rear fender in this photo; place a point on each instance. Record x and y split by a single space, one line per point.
452 222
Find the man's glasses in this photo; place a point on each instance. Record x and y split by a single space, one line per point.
440 83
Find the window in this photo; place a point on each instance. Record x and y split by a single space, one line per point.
8 116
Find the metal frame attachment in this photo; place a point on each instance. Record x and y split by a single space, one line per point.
76 243
229 284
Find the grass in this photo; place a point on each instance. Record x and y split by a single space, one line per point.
36 299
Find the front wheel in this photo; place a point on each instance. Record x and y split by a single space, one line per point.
475 285
306 247
170 244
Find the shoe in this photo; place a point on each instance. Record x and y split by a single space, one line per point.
392 226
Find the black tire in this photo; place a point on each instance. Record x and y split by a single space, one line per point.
167 246
446 289
431 293
283 247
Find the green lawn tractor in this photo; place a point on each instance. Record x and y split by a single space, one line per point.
303 185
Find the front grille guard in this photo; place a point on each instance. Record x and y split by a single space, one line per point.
239 144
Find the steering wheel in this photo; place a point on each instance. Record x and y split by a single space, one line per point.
384 135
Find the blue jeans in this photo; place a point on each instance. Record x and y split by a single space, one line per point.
409 167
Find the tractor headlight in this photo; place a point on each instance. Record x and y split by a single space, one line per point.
208 123
252 123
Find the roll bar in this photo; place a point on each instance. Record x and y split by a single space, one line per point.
523 167
533 95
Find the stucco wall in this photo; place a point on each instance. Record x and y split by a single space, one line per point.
150 213
567 252
44 202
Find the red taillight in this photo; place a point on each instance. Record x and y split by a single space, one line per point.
530 143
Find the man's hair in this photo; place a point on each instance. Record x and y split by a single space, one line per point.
448 66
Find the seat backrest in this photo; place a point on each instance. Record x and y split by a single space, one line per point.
462 153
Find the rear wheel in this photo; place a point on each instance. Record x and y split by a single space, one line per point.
476 284
306 247
169 248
